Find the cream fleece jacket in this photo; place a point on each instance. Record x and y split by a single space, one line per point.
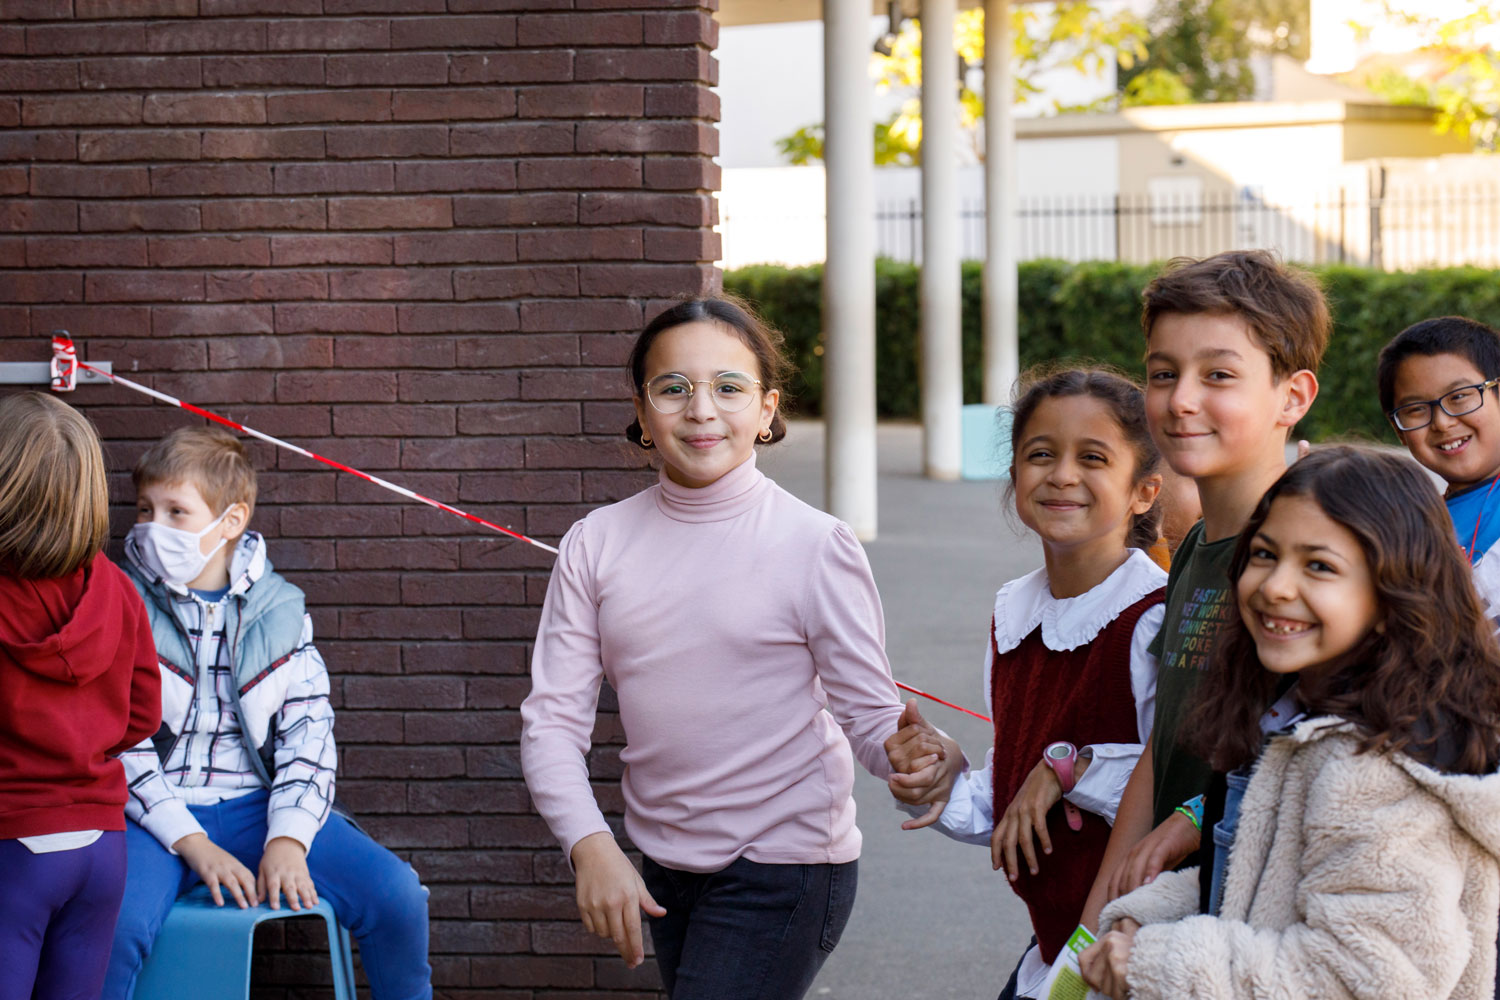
1352 875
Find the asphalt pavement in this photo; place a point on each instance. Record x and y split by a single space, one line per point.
932 920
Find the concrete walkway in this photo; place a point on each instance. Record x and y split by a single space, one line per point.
932 920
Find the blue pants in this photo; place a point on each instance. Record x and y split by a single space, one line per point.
373 893
750 931
57 917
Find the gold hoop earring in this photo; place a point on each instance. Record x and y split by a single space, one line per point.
645 440
765 435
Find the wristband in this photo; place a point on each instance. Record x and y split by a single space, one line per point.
1060 757
1193 810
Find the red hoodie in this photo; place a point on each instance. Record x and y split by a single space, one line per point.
78 684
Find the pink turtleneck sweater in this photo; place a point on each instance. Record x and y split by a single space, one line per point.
725 618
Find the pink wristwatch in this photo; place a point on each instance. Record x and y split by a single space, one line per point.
1061 756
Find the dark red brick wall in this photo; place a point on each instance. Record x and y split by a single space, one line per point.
415 235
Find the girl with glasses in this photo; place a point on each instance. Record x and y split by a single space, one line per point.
726 614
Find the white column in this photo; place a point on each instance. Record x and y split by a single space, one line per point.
942 359
1001 238
849 275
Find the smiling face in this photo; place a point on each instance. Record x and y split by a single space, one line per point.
1306 595
1075 475
1464 450
702 442
1211 400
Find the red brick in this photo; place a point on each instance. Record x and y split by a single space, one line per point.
479 797
605 208
211 251
581 314
140 73
270 352
453 105
566 938
259 286
295 251
390 213
347 387
543 66
383 6
527 971
681 28
263 144
329 318
391 283
370 727
579 30
38 74
151 355
330 106
521 902
25 215
520 418
492 762
646 279
456 175
293 487
683 173
682 100
179 321
515 282
144 216
403 762
12 40
546 208
328 35
683 245
582 453
224 8
157 144
353 522
400 554
579 244
513 139
13 180
206 36
574 383
278 213
488 317
528 487
117 321
405 421
221 387
83 39
363 142
90 182
579 172
453 32
645 64
606 348
499 623
48 145
648 137
456 248
82 109
114 9
463 588
607 417
333 178
86 251
200 109
211 179
394 352
38 10
449 387
265 71
404 69
160 286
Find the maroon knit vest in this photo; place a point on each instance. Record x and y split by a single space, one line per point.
1039 697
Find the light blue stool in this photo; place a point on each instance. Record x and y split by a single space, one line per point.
203 951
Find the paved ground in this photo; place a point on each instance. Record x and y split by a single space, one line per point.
932 920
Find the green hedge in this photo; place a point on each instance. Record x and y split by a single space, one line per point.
1092 311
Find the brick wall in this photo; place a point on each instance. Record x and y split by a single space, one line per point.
415 235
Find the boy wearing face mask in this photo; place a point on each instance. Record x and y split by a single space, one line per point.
236 789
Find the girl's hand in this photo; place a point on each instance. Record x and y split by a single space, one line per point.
1163 849
611 895
283 868
915 745
1104 963
218 868
1025 819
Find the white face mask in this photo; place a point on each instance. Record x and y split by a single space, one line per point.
172 553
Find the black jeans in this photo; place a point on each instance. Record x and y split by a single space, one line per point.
750 931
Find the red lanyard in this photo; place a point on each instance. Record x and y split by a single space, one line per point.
1474 542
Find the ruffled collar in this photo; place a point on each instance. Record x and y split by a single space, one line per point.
1070 622
731 495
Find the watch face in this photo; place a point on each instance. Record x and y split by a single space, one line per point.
1059 751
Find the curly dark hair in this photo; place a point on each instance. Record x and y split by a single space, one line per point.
1428 684
732 314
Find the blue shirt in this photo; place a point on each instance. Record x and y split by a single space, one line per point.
1478 506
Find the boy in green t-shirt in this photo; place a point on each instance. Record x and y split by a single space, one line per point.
1232 346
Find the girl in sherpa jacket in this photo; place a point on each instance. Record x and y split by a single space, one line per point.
1365 859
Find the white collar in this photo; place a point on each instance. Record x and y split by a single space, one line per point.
1070 622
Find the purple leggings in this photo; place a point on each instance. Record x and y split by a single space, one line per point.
57 918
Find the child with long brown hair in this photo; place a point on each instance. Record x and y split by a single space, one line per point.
79 682
1364 862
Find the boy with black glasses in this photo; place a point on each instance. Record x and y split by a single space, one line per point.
1438 384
